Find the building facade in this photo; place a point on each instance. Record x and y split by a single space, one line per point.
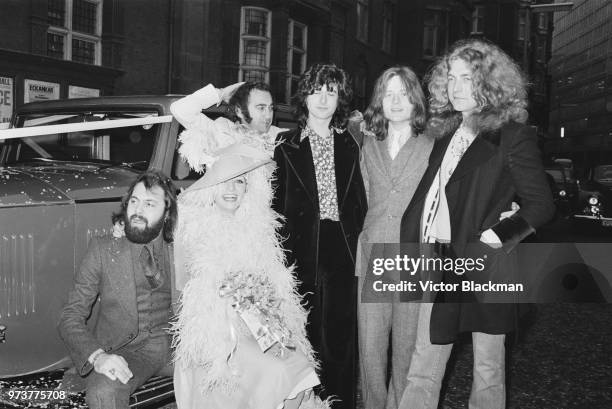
581 83
71 48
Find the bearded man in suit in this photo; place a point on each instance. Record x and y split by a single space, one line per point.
132 277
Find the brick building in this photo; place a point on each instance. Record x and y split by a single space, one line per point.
581 71
70 48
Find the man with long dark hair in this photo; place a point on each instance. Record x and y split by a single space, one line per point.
320 192
132 277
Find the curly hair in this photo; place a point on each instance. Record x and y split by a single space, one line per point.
313 79
498 84
240 100
374 117
150 179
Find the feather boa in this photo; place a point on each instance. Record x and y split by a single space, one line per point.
213 245
198 146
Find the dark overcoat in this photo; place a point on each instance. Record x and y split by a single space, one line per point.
501 165
296 198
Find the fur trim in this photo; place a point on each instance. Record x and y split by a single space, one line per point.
312 401
198 145
213 245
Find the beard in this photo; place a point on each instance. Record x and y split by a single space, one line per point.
142 235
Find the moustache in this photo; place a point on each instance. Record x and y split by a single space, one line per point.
138 218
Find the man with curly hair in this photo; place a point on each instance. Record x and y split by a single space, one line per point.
320 192
484 157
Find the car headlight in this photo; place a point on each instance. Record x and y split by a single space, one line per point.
593 200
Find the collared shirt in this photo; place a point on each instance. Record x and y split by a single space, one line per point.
395 142
325 172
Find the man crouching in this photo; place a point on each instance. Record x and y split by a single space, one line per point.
132 276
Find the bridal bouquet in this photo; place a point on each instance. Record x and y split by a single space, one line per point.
255 300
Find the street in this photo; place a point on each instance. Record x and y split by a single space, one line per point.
561 357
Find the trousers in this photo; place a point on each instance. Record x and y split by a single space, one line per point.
429 361
145 360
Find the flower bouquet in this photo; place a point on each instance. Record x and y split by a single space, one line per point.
255 300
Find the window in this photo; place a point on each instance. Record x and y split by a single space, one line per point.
387 33
75 27
478 20
130 146
435 31
254 52
363 20
522 23
296 56
542 22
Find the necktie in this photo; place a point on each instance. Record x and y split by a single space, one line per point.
151 272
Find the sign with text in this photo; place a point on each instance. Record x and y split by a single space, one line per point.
82 92
40 91
6 99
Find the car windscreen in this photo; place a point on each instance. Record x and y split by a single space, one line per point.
130 146
603 175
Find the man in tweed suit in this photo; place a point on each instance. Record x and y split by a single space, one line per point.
132 277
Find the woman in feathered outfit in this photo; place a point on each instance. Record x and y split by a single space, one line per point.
226 238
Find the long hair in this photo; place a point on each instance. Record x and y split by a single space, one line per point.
150 179
498 84
374 117
240 100
313 79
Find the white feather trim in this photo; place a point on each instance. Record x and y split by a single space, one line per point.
213 245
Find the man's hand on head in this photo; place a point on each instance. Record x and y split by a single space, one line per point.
114 367
226 93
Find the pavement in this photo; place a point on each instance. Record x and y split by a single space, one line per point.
560 359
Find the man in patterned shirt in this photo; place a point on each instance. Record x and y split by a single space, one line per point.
320 192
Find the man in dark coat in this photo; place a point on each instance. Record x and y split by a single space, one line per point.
484 157
320 192
132 277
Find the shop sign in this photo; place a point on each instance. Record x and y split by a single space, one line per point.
6 99
40 91
82 92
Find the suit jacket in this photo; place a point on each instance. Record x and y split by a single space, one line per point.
501 165
106 272
296 198
390 184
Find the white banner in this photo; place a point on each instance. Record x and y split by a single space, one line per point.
40 91
82 92
81 126
6 99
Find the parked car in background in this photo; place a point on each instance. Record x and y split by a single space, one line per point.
595 197
59 185
564 187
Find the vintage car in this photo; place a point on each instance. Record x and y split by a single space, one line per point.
63 170
564 188
595 197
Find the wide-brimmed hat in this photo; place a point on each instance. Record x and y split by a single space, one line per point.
232 161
